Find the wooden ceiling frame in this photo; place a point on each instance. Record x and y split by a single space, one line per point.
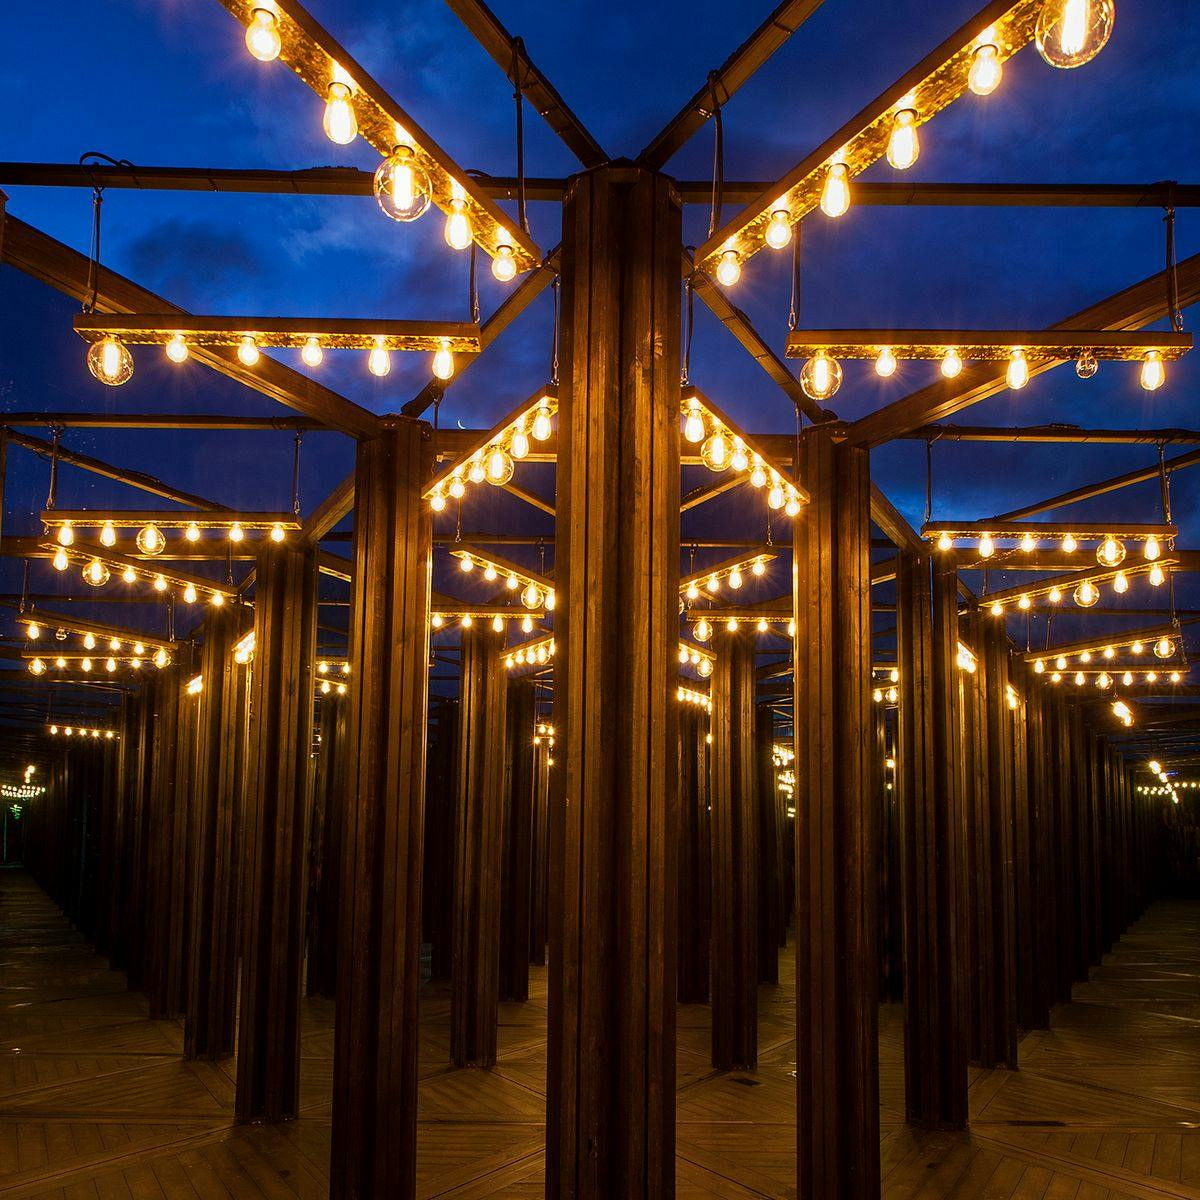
146 568
987 345
1066 583
51 621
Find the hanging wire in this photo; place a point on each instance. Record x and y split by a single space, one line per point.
794 305
24 586
88 159
296 474
1172 266
689 327
1164 487
473 288
554 336
458 520
718 178
437 408
518 51
541 549
56 437
928 480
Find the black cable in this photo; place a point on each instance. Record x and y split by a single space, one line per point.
794 306
56 437
554 342
928 480
296 474
518 49
718 185
1172 266
689 293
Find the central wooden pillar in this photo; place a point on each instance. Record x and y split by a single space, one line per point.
374 1147
837 990
734 856
278 749
516 898
478 851
610 1104
695 857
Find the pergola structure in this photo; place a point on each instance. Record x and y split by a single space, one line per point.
624 716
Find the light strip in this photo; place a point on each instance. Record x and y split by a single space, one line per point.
537 653
535 590
1056 588
191 587
731 571
1136 641
95 637
702 622
101 661
107 735
687 695
987 345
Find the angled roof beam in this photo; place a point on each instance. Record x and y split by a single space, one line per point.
535 87
782 22
1133 308
48 260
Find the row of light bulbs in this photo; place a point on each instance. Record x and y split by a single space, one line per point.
1168 788
1069 33
72 731
733 575
1105 680
110 361
1085 594
19 791
702 630
1163 648
1111 551
151 540
496 462
96 573
530 656
33 631
533 595
160 659
691 696
467 620
402 187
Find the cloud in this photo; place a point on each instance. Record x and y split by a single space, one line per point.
186 260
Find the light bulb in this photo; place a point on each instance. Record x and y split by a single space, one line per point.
177 350
986 546
729 269
904 144
551 600
60 662
109 361
89 641
779 230
1028 543
951 364
775 497
1039 667
520 444
499 465
1109 652
1086 365
1024 603
277 533
114 644
1085 657
1137 647
160 658
33 631
248 352
96 573
262 35
1164 648
443 363
758 475
437 502
735 579
821 376
731 625
85 664
189 594
526 624
1079 677
110 664
693 591
1151 676
885 364
504 266
1175 676
1127 678
1151 550
108 535
497 624
792 507
236 532
1069 544
1018 370
61 562
466 564
986 71
436 620
311 353
835 196
1086 594
693 425
475 472
66 534
1154 374
458 226
541 428
762 625
1070 33
713 583
1156 575
531 597
401 186
945 541
456 488
715 452
129 575
379 361
160 584
997 609
37 667
1110 552
341 125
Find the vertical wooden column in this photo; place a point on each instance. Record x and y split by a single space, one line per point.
208 1029
1028 957
441 800
734 855
278 749
375 1058
837 965
610 1103
478 838
772 911
695 857
518 842
933 847
540 856
137 736
325 849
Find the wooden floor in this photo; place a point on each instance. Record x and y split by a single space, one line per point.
96 1103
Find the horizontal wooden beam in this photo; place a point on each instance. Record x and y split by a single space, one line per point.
1096 645
50 620
176 421
216 518
68 271
987 345
1066 583
1053 435
81 553
1133 308
1040 530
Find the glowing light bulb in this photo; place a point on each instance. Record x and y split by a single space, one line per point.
96 573
66 534
729 269
277 532
715 452
436 620
37 667
499 466
1164 648
458 226
792 507
379 361
466 564
531 597
497 624
341 125
85 664
1039 667
986 546
1069 544
512 583
551 600
693 425
401 186
1086 594
475 472
1137 647
1156 575
1085 657
885 364
1110 552
1151 550
945 541
110 362
541 428
702 631
504 266
713 583
779 230
904 144
33 631
236 532
1070 33
248 352
189 594
821 376
986 71
1120 583
129 575
217 599
108 535
1028 543
1127 678
835 195
456 487
160 658
311 353
1024 603
110 664
89 641
177 349
1018 370
520 444
775 497
951 364
1154 374
758 474
1079 678
735 578
443 363
262 35
731 625
160 584
693 591
997 609
762 625
1109 652
60 560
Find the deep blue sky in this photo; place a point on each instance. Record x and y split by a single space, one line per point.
169 82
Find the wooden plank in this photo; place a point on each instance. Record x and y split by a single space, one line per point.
990 345
516 899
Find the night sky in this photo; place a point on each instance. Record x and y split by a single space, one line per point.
169 82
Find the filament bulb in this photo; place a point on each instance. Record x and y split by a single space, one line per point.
715 452
458 226
1070 33
1156 575
401 186
262 35
379 361
109 361
945 541
1069 544
1018 370
821 376
885 364
1164 648
341 125
1120 583
177 349
443 363
541 424
1154 374
66 534
108 535
1152 550
129 575
189 594
311 354
1086 365
904 145
986 71
504 266
729 269
247 351
779 231
693 425
520 444
951 364
499 466
89 641
1110 552
835 196
986 546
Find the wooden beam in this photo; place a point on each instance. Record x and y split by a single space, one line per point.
66 270
188 421
987 345
1132 308
783 20
1052 435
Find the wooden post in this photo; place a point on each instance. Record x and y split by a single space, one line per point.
374 1146
441 797
540 857
695 857
772 918
137 736
837 990
735 865
475 964
209 1027
933 866
614 813
278 748
518 843
325 849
